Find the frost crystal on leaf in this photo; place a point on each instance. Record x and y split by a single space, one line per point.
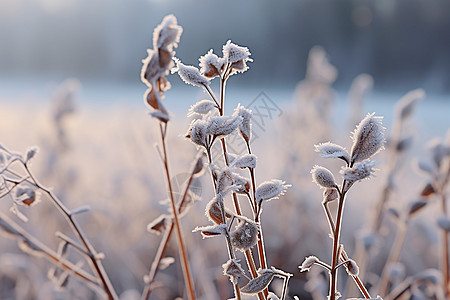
232 268
245 236
368 138
330 150
323 177
211 231
223 125
189 74
259 283
202 107
269 190
167 34
308 263
198 132
211 65
359 171
246 126
236 56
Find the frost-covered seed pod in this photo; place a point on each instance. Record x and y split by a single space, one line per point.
244 161
323 177
330 150
245 236
271 189
223 125
198 132
308 263
259 283
359 171
202 107
242 185
213 212
352 268
368 138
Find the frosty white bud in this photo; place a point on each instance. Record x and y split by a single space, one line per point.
330 194
233 269
269 190
160 115
27 196
368 138
407 103
352 268
259 283
246 126
31 153
359 171
223 125
202 107
214 213
167 34
198 132
444 223
189 74
211 231
308 263
211 65
244 161
245 236
330 150
323 177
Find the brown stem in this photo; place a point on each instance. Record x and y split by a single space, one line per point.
336 238
393 257
445 250
181 246
96 264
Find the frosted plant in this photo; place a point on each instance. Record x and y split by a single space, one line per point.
210 127
18 182
368 139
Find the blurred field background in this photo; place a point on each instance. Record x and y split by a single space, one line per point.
87 55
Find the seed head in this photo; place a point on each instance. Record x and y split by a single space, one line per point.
245 236
269 190
198 132
308 263
330 150
368 138
359 171
246 126
352 268
223 125
323 177
244 161
202 107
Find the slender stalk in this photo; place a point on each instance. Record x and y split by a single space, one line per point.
163 246
95 263
181 247
336 239
445 251
400 236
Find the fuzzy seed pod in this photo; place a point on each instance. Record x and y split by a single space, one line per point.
330 150
223 125
237 56
352 268
202 107
308 263
323 177
244 161
330 194
245 236
271 189
368 138
198 132
359 171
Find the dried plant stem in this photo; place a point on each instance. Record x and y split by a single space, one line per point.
95 263
51 255
336 245
445 250
181 247
394 254
163 247
400 290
